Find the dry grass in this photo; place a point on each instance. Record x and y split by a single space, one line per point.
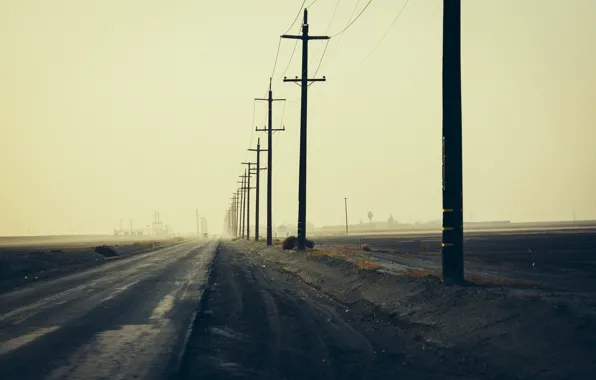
499 281
365 264
419 272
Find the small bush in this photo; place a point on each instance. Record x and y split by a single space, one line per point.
289 242
106 251
57 251
365 247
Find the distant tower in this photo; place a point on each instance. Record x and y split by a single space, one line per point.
198 228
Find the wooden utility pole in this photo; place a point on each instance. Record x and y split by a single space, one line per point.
303 117
453 229
270 130
238 213
243 204
258 185
248 188
346 204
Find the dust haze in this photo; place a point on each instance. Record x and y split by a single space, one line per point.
116 109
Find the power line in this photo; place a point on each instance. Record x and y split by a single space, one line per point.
351 16
386 32
378 43
321 61
353 21
276 57
298 15
326 31
311 4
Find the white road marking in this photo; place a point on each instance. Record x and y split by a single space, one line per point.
22 340
163 307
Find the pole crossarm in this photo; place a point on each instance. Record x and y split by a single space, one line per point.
324 79
270 130
303 37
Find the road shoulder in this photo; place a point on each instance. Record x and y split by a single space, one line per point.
466 332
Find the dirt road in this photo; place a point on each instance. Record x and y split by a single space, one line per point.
257 322
123 320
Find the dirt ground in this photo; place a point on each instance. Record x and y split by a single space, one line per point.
554 259
23 264
273 314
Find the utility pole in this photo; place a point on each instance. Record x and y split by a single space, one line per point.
303 117
258 186
270 130
198 229
243 205
233 216
346 204
248 198
453 229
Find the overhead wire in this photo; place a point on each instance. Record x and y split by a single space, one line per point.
369 54
311 4
386 32
353 21
350 19
327 41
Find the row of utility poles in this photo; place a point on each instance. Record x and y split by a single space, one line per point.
452 178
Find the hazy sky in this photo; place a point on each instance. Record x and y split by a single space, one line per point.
113 109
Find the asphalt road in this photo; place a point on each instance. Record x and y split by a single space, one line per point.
123 320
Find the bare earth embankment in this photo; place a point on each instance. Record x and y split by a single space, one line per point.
273 314
24 262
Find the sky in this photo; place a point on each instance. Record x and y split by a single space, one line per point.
115 109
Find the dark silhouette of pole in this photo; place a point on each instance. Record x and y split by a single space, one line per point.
303 117
243 204
258 186
248 188
453 229
346 204
238 213
270 130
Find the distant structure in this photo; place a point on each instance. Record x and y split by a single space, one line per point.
159 229
204 227
129 232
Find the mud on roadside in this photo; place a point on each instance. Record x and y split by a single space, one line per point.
505 331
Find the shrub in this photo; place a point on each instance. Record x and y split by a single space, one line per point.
365 247
289 242
106 251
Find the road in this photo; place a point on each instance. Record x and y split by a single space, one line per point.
258 322
123 320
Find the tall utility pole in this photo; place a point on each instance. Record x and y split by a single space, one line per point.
453 229
248 188
243 205
346 204
238 211
258 185
270 130
233 216
303 113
